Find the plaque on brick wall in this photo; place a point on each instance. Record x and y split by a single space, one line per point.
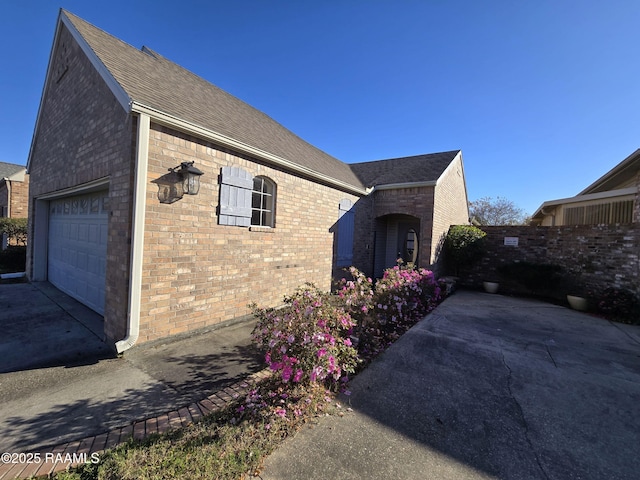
511 241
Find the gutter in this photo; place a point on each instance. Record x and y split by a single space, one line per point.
193 129
137 235
393 186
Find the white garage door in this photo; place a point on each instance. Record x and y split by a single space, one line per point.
78 247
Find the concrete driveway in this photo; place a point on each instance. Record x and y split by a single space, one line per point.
485 387
59 382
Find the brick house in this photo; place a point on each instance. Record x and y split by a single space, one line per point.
14 193
114 225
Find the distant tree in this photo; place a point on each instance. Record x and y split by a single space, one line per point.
498 211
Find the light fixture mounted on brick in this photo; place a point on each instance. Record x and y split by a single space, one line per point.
190 178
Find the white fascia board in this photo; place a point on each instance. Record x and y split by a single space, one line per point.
117 90
92 186
102 70
586 198
627 162
18 176
394 186
166 119
458 157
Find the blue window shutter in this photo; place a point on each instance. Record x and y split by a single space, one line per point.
236 186
345 233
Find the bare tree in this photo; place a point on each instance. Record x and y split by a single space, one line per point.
498 211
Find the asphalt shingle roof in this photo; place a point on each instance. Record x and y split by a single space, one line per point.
152 80
8 169
418 168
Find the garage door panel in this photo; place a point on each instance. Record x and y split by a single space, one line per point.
77 247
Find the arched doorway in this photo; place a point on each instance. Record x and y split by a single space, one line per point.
396 236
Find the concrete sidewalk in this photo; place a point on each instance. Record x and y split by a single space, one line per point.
486 386
62 383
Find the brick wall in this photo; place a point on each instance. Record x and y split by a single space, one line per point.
197 273
602 255
437 208
20 198
450 208
363 236
84 134
414 201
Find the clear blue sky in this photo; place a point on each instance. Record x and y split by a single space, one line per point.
541 96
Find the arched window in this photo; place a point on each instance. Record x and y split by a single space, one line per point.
263 201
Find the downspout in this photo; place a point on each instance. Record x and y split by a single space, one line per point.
137 235
4 240
8 182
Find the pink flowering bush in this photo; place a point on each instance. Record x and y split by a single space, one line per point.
307 340
273 404
384 311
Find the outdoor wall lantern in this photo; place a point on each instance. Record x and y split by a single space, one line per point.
190 178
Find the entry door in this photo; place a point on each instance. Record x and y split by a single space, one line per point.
77 250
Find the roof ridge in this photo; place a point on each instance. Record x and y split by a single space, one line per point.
152 80
409 157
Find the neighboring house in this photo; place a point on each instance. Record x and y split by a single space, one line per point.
613 198
113 224
14 193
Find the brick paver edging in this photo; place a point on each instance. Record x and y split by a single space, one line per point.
62 457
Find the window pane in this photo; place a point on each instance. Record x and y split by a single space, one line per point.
255 200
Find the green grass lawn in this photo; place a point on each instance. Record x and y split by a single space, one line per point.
229 444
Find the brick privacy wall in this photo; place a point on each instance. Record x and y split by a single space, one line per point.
84 134
608 254
197 273
450 208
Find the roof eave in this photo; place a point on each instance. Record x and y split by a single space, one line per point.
395 186
119 92
627 162
169 120
585 198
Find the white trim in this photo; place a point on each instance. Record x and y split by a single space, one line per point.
137 235
393 186
8 183
585 198
18 176
166 119
626 163
102 70
93 185
100 67
40 235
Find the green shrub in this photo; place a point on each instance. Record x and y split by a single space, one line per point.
538 278
464 245
13 259
619 305
15 229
